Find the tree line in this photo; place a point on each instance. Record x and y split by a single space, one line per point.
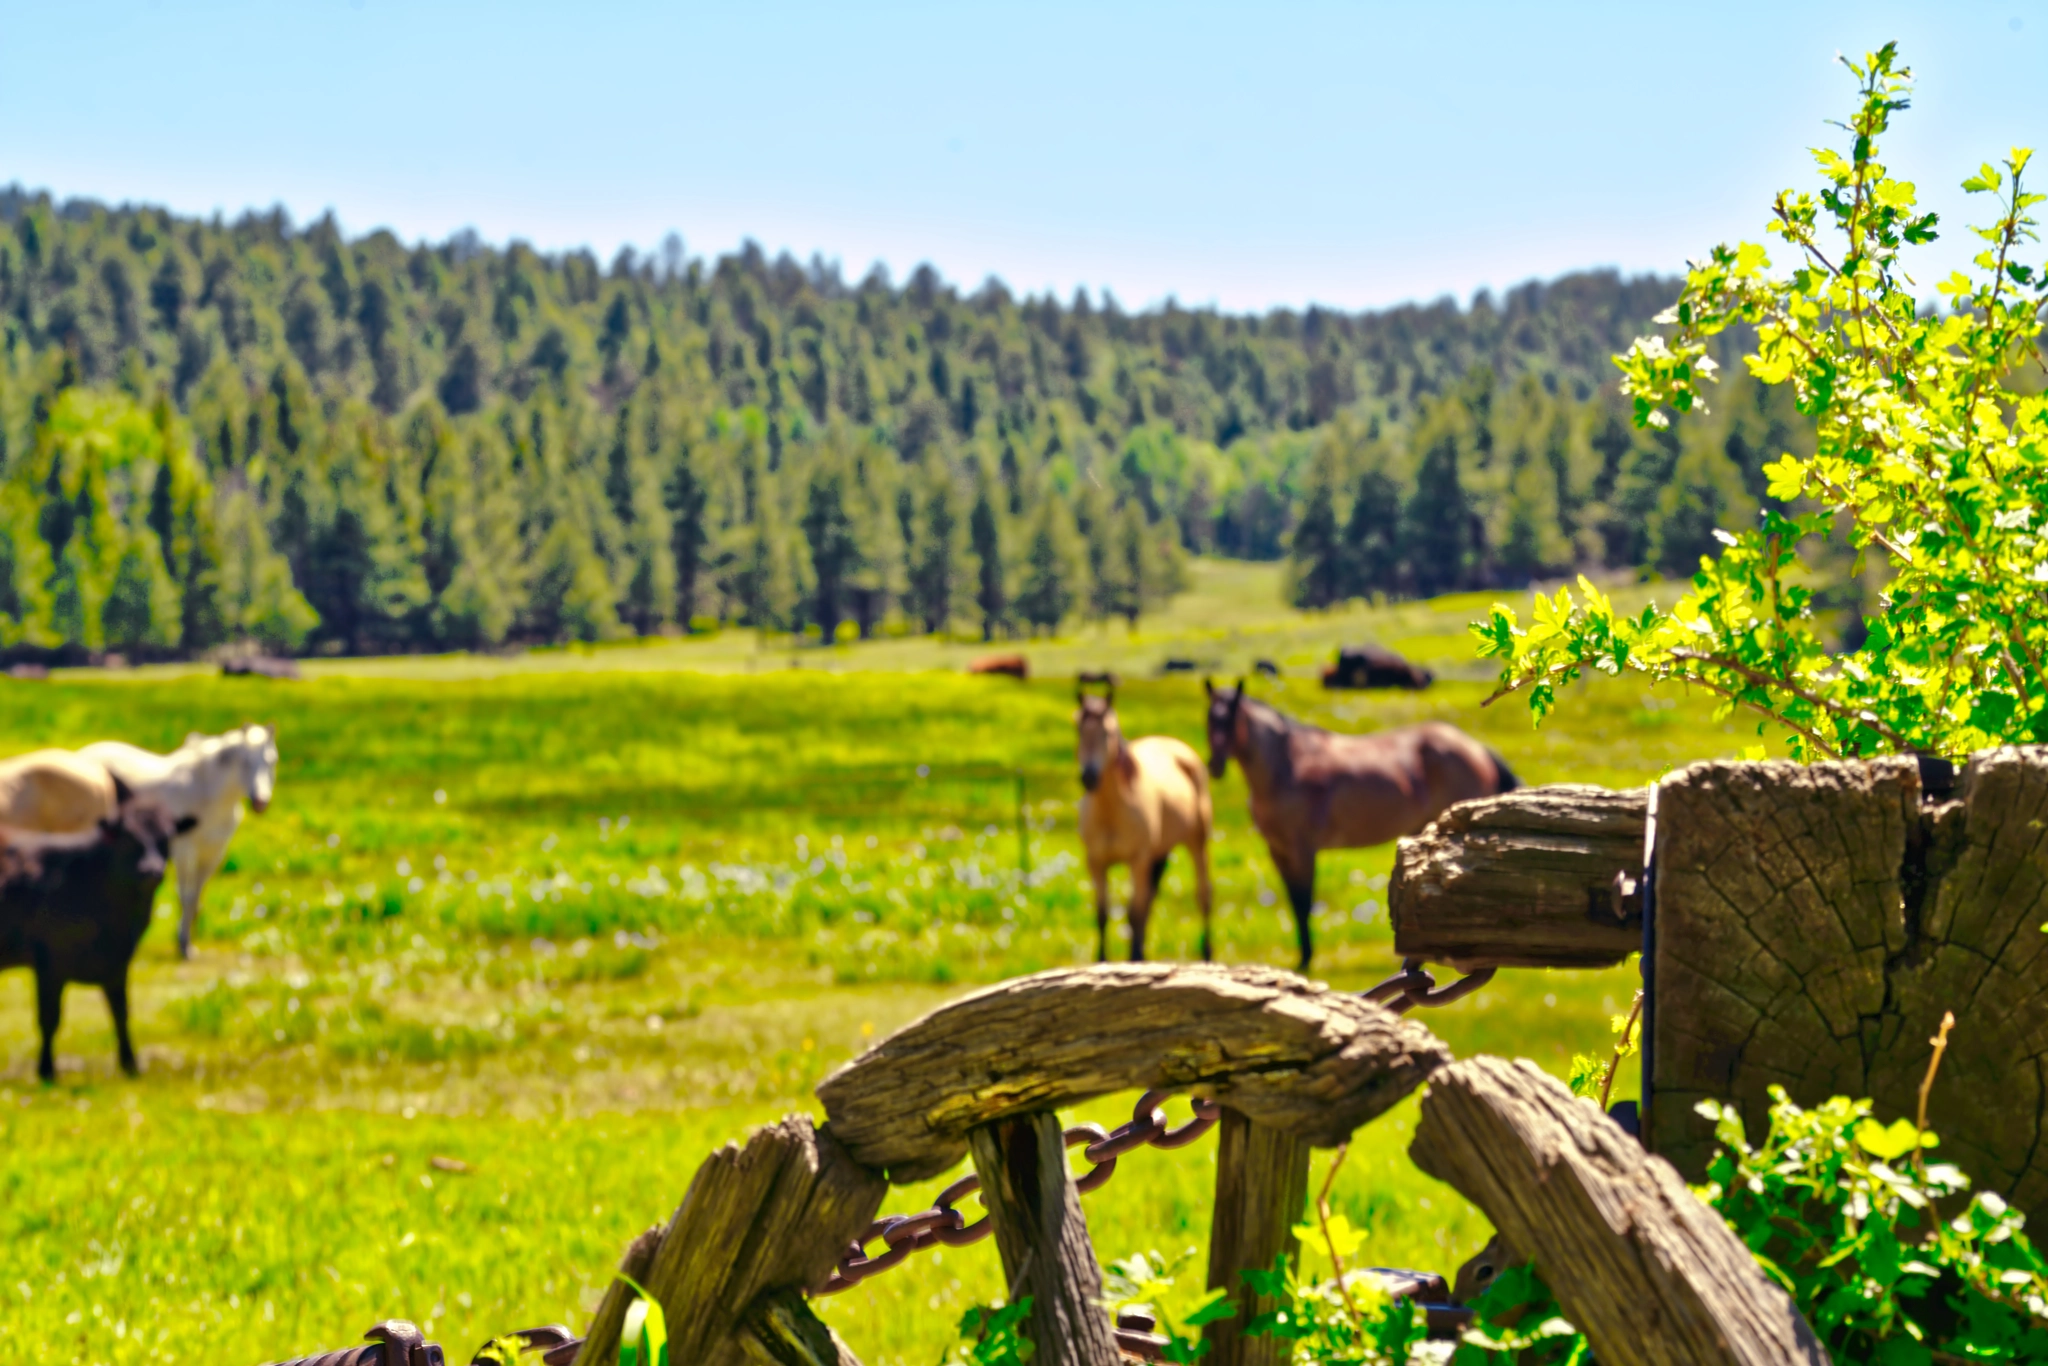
213 431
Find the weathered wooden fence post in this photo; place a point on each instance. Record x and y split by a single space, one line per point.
1261 1185
1649 1274
1022 1162
1523 880
759 1221
1814 922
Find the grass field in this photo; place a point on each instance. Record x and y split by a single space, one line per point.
573 919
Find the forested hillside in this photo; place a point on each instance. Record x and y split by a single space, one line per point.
215 431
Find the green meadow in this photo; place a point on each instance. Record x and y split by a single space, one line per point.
523 938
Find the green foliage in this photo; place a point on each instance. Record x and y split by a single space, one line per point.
995 1335
643 1338
1354 1322
1148 1282
1517 1320
1932 455
1592 1075
1888 1260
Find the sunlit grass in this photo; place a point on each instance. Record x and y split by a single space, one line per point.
576 927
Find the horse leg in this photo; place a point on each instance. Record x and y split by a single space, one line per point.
1199 851
116 990
195 862
49 1014
1299 873
1099 875
1144 887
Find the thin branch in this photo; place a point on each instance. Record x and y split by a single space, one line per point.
1719 690
1323 1219
1765 680
1940 1042
1635 1013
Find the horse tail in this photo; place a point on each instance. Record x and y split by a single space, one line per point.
1505 779
1159 868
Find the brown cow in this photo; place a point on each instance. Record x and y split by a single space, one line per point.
1009 666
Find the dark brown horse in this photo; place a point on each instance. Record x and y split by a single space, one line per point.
1313 789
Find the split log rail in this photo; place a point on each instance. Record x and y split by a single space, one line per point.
1285 1065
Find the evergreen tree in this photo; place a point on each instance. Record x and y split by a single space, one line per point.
1139 569
985 539
257 599
880 575
572 594
1106 574
1372 537
474 500
766 584
687 497
1046 596
363 570
1705 495
936 580
835 555
1438 541
1318 551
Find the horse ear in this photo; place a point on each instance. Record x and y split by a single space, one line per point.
1208 686
122 792
1240 687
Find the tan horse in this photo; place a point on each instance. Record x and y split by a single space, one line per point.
1312 789
55 790
1142 797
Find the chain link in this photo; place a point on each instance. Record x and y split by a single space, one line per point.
1411 987
944 1225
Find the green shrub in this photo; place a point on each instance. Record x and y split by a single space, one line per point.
1932 455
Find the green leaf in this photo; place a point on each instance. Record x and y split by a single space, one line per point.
1888 1143
643 1341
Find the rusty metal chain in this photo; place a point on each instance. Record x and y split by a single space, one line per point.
944 1225
1411 987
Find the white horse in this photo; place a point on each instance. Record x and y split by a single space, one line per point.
206 778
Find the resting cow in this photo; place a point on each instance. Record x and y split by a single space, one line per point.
1008 666
205 778
74 906
1374 666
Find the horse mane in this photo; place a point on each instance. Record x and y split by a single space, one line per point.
1287 722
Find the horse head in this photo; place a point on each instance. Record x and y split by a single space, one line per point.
1224 709
1099 737
256 747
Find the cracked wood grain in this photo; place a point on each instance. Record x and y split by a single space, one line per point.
1261 1190
781 1330
772 1215
1043 1239
1814 922
1286 1052
1648 1273
1521 880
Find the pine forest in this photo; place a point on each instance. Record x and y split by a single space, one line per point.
218 433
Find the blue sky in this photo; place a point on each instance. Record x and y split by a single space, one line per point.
1243 155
